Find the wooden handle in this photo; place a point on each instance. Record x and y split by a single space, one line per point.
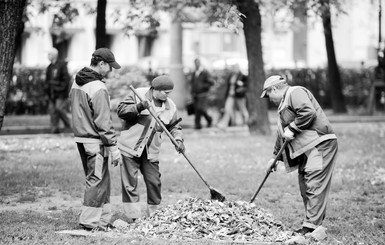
269 171
153 114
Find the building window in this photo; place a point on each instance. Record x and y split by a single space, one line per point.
229 42
211 43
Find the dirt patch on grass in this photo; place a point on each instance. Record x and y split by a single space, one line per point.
59 202
56 202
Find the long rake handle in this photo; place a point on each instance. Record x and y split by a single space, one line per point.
173 140
269 171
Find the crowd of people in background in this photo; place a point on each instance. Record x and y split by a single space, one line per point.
236 88
200 86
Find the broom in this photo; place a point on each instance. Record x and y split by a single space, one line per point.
215 194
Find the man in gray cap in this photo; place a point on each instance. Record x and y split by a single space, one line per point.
95 138
140 142
312 147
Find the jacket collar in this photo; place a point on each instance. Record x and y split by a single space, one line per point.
283 98
149 96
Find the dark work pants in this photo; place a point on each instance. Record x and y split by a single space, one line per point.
58 111
200 107
129 175
96 205
314 179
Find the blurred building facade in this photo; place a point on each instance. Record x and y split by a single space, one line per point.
287 42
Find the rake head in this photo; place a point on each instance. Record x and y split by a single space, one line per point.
216 195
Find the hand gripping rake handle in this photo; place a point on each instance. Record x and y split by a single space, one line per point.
173 140
269 171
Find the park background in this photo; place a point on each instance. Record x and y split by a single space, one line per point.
292 39
41 178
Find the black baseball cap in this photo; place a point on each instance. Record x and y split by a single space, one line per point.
107 56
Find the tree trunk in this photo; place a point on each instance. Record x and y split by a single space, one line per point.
258 108
334 78
176 64
11 13
101 34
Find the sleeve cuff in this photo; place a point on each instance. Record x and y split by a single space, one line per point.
294 128
179 139
140 107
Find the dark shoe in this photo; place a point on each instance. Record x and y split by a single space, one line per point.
110 227
304 230
93 229
209 122
198 127
83 227
55 131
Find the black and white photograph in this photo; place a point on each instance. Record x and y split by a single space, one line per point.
200 122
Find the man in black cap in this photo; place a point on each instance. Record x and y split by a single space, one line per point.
95 137
140 142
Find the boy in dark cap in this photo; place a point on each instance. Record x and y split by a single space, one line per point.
140 142
95 138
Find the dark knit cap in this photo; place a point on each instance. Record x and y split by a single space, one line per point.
162 83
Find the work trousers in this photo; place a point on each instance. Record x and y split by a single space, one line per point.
314 179
130 194
58 111
96 205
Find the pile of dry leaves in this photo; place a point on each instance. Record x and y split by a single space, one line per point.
193 219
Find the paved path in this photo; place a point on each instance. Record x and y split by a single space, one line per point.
40 124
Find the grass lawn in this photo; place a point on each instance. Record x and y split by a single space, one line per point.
42 183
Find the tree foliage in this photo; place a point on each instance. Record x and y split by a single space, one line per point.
63 11
146 14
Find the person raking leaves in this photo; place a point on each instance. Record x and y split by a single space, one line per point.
312 147
140 142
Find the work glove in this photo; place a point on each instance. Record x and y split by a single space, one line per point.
143 105
288 134
272 168
180 146
114 155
